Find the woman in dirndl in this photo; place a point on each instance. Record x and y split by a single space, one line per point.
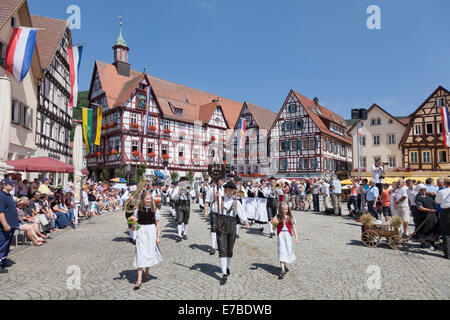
285 231
148 237
261 216
250 202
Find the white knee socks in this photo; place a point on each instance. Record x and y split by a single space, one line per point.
180 230
223 265
270 228
237 228
132 234
213 240
185 227
228 263
261 226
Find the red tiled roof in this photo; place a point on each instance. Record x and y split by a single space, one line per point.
7 9
48 40
308 104
404 121
263 117
193 102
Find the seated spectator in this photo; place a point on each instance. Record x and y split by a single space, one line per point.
64 218
27 224
48 212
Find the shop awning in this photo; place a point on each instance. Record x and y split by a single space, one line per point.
42 164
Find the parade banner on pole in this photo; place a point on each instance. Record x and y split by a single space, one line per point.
87 128
19 52
74 55
445 126
241 138
147 111
97 124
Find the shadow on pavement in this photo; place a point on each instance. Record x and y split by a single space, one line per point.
202 247
131 276
208 269
121 239
266 267
170 236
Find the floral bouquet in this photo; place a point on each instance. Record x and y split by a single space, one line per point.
133 222
274 222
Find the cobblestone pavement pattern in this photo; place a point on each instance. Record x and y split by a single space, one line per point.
331 264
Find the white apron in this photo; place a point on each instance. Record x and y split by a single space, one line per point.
147 252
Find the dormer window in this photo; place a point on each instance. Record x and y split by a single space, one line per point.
178 112
440 102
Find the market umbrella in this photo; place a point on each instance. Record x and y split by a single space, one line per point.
77 157
5 122
118 180
119 186
159 174
42 164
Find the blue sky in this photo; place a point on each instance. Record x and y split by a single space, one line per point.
257 50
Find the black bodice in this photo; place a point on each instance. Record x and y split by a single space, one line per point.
146 216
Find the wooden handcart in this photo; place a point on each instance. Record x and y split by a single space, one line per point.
371 236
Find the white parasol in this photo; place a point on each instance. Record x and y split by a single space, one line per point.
5 123
77 164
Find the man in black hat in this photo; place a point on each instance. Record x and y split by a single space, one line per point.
9 220
226 235
183 207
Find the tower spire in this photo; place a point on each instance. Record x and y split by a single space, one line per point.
121 53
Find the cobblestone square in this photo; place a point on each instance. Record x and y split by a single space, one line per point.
331 264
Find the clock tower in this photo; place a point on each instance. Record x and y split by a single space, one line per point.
121 55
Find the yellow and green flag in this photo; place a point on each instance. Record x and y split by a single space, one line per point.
97 111
87 129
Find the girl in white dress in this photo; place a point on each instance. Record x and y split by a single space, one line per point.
148 237
285 231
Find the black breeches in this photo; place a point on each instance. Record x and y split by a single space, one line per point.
183 213
272 207
227 236
214 219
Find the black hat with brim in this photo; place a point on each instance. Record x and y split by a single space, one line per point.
230 185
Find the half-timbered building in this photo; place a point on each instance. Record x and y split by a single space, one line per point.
252 158
54 116
184 123
308 140
422 144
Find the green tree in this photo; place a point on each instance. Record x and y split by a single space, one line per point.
174 176
118 173
190 176
104 175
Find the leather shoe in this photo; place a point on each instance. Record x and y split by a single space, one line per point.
223 280
228 271
179 239
212 251
185 237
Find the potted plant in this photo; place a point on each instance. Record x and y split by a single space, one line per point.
107 153
166 131
112 125
114 151
152 128
98 154
152 154
213 138
134 125
165 156
135 153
